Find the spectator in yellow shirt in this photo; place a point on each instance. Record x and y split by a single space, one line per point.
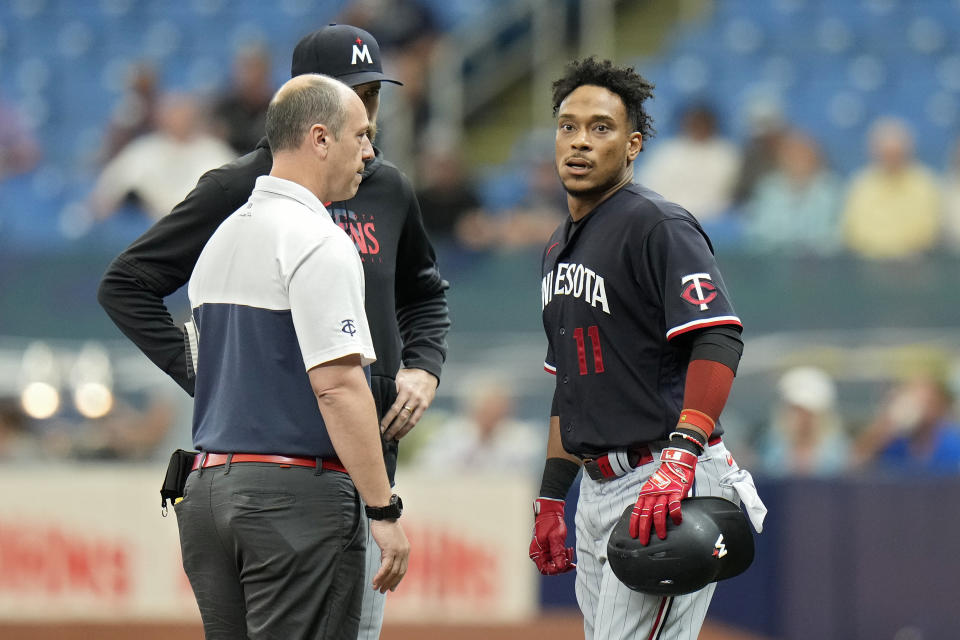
893 206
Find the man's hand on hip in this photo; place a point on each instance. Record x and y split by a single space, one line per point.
663 491
416 389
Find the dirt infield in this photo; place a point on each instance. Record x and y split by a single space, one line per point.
566 626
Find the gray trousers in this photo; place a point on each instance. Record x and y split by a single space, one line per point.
273 553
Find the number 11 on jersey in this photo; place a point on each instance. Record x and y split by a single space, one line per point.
593 332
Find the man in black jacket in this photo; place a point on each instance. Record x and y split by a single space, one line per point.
405 295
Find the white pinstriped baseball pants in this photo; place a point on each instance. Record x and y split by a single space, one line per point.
611 611
371 611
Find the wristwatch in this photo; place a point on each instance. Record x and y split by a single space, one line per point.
390 512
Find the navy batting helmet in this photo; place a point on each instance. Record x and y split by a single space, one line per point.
714 542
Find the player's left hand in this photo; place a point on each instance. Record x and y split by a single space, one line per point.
663 491
548 549
416 389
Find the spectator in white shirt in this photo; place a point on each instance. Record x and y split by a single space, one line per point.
158 169
698 169
485 436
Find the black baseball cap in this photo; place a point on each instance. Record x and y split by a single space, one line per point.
346 53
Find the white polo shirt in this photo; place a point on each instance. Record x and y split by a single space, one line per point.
277 290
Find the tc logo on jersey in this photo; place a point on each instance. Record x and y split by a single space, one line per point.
700 290
348 327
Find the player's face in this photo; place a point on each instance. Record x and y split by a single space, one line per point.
348 153
595 145
370 95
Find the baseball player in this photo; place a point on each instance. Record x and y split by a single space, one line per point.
644 343
405 295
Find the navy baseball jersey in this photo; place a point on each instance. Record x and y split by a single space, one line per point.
620 289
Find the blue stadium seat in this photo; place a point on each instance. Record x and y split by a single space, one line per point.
28 221
947 71
501 188
834 36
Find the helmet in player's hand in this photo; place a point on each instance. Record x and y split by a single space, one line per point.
714 542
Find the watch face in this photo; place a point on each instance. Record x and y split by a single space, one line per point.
395 508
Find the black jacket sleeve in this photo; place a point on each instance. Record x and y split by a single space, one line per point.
159 262
422 313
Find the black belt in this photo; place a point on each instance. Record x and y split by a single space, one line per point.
614 464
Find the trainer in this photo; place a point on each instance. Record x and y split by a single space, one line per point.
405 294
271 526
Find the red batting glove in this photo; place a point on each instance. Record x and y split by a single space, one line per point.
547 549
664 490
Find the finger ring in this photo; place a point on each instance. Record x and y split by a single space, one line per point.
406 408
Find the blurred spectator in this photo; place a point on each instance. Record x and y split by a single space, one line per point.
914 430
126 433
528 223
400 26
16 441
135 115
446 194
19 151
807 437
160 168
766 130
486 436
698 169
795 209
893 206
240 114
540 211
951 193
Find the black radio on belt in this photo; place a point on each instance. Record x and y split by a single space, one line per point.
181 464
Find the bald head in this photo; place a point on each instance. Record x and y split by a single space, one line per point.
318 132
302 102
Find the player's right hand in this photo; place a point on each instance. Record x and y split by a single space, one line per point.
548 548
662 492
394 554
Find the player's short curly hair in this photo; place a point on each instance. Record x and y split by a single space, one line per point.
632 88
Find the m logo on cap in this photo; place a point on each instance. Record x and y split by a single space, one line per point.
362 54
